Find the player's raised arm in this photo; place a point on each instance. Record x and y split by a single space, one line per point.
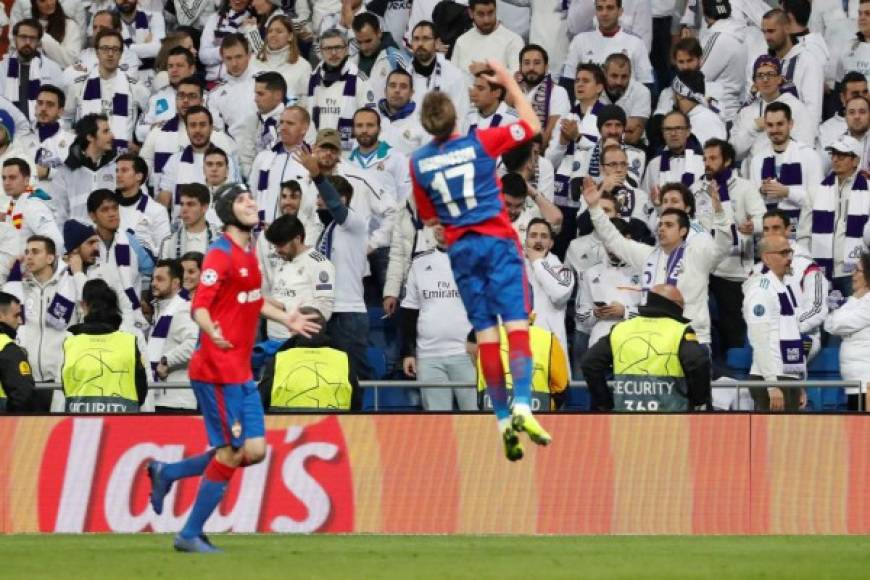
513 94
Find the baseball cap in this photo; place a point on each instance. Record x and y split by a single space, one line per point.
328 137
845 144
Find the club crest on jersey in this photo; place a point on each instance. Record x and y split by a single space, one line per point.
236 429
323 276
209 277
243 272
758 310
517 133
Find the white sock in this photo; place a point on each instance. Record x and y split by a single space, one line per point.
503 424
522 409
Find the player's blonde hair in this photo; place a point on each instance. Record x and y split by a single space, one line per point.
438 115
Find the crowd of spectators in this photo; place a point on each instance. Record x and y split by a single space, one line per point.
728 138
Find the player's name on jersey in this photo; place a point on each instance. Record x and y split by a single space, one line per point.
644 387
437 162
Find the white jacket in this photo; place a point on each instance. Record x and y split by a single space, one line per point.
699 261
605 282
177 348
724 61
747 138
852 322
44 344
409 239
229 98
552 286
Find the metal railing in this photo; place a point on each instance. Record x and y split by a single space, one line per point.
404 384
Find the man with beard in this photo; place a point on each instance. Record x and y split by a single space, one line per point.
377 53
186 166
548 98
627 93
142 31
431 71
336 89
552 283
54 139
487 39
25 69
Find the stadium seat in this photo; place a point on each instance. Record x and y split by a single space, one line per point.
577 400
377 361
388 399
825 367
739 360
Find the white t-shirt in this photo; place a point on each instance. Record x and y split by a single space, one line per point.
443 326
347 252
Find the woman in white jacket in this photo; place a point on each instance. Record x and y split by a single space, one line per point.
280 53
852 322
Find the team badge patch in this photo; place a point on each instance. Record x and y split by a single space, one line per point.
209 277
758 310
236 429
324 277
517 133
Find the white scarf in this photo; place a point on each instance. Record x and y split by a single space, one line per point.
188 170
693 168
119 256
166 144
60 311
280 167
349 76
788 172
674 266
188 11
160 331
825 208
13 69
121 117
790 345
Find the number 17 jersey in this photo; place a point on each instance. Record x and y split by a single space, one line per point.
455 180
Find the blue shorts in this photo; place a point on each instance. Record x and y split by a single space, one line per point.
232 412
491 276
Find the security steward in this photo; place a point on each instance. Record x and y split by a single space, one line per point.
309 374
658 363
102 368
17 390
549 371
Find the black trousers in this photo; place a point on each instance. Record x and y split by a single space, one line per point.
660 55
729 300
852 402
792 397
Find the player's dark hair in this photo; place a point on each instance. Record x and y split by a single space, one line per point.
173 267
516 158
535 48
364 19
685 193
100 196
513 185
682 218
198 110
540 220
592 69
438 115
799 10
778 107
50 246
197 191
777 213
342 186
197 257
234 39
61 96
20 163
102 303
726 149
30 23
273 81
852 76
139 165
285 229
688 45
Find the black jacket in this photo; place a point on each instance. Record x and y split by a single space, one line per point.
106 328
17 379
317 341
77 158
597 363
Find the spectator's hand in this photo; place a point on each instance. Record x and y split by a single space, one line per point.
478 66
303 324
391 303
590 192
308 161
777 400
655 196
714 196
759 123
569 131
686 32
217 337
533 254
803 403
41 171
746 227
162 369
74 261
773 188
409 365
500 75
441 47
611 182
616 309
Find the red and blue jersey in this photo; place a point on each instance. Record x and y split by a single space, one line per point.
455 180
229 288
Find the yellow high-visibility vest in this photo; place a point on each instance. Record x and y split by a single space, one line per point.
99 373
540 343
648 375
309 379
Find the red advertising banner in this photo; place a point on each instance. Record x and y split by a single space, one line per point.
625 474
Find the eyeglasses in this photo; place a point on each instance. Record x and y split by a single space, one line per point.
110 49
336 48
782 253
616 165
674 129
766 76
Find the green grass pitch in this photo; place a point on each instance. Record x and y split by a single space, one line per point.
437 557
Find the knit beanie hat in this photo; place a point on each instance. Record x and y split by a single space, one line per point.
610 113
75 233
